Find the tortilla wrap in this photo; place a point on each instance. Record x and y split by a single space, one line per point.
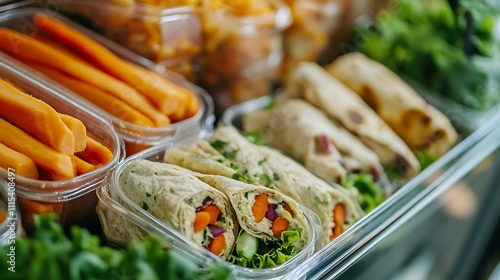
174 197
312 83
263 165
242 197
419 124
303 139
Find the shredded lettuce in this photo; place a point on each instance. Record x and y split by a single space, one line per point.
370 193
269 253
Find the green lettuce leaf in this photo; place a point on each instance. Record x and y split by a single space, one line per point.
370 193
270 253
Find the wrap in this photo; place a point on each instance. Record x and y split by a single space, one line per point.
267 167
181 201
419 124
249 205
311 82
309 136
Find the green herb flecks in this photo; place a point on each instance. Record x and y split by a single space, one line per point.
218 144
265 180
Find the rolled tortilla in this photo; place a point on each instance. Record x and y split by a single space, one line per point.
176 197
312 83
243 197
322 145
419 124
267 167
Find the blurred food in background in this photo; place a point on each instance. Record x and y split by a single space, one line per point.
453 51
242 48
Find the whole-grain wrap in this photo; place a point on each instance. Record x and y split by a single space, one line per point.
311 82
181 201
306 134
420 125
246 200
267 167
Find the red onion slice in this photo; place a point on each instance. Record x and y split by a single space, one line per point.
215 230
323 144
271 212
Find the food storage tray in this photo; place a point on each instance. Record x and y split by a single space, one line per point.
404 199
74 200
136 137
110 194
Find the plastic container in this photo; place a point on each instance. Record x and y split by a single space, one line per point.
242 55
10 226
73 200
313 24
169 36
141 222
336 253
136 137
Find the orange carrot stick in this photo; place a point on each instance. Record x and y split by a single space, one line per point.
78 129
259 207
29 49
41 154
279 225
36 118
201 221
97 96
23 165
83 167
218 244
214 212
34 207
167 96
95 152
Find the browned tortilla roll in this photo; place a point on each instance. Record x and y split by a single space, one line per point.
420 125
312 83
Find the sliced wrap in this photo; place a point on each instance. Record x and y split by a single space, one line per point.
309 136
183 202
419 124
274 221
311 82
267 167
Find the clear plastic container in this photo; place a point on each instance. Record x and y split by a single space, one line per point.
471 129
169 36
114 204
242 55
73 200
311 29
136 137
10 225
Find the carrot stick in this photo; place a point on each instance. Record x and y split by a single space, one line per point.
167 96
23 165
78 129
36 118
59 47
218 244
95 152
201 221
100 98
288 209
41 154
2 218
214 212
338 219
34 207
150 80
259 207
279 225
83 167
28 49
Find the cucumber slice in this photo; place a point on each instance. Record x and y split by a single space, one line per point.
246 245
